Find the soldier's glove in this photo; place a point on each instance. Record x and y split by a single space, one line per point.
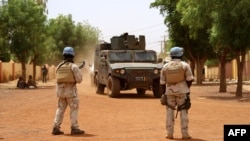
82 65
163 99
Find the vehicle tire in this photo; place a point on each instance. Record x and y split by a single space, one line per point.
157 91
99 87
113 87
140 91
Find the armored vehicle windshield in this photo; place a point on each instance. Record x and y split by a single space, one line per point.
120 57
144 56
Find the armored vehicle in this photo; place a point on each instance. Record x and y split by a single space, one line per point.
125 64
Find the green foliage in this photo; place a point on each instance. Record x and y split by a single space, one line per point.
212 63
179 19
230 28
27 36
63 31
210 28
22 22
4 50
179 16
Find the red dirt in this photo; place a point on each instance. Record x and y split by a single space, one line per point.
27 115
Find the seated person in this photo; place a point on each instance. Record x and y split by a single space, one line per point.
21 83
30 83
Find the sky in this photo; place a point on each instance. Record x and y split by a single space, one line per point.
114 17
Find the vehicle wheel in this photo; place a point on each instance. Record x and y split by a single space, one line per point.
113 86
157 88
99 87
140 91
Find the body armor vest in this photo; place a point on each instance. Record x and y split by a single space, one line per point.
174 72
64 74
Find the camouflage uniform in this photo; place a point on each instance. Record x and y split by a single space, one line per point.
68 96
176 95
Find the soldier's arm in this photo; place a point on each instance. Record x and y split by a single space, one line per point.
189 76
77 73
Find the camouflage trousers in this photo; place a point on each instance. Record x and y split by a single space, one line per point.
63 103
173 101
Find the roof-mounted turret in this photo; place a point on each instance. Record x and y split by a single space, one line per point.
126 41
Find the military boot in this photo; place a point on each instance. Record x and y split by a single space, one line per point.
169 136
56 131
76 131
186 137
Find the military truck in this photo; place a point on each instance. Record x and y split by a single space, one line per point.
125 64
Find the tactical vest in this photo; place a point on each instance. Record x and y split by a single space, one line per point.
174 72
64 74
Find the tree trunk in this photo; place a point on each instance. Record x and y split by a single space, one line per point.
223 85
240 65
24 70
34 71
192 65
199 69
34 63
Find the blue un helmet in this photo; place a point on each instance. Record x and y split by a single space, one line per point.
176 52
68 50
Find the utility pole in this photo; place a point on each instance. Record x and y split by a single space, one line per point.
161 46
164 47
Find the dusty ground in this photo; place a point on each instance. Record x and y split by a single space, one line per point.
27 115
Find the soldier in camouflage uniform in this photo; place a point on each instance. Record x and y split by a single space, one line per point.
176 79
67 75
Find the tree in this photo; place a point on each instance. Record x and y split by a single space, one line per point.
63 31
23 20
227 23
231 26
197 46
38 37
26 35
4 50
87 37
195 15
238 27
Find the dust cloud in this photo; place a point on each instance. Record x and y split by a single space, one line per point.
86 54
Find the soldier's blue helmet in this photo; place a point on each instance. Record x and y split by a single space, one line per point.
176 52
68 50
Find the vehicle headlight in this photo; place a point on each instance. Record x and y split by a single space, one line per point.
156 71
122 71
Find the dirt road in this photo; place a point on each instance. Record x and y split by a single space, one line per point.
27 115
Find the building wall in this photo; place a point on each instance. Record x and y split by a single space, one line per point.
10 71
212 73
